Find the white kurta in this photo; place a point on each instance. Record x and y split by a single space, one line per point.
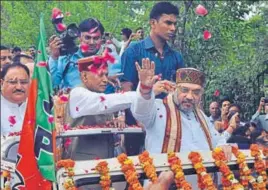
12 116
152 113
84 102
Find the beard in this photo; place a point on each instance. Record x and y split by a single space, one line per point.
180 106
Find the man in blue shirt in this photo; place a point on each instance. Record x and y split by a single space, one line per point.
163 25
64 71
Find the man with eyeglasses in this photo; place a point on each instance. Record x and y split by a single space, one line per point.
176 123
5 56
14 92
64 69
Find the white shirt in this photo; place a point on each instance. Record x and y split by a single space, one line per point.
152 113
85 102
119 44
12 116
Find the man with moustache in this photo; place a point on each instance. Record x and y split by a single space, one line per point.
176 123
214 111
64 69
15 80
5 56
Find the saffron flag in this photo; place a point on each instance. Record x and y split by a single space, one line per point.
35 167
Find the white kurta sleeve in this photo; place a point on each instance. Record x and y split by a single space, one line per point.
84 102
144 110
217 138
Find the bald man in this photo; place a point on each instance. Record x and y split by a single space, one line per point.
214 111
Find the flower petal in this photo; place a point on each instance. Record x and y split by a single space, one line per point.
42 64
207 35
12 120
64 98
51 119
201 10
102 98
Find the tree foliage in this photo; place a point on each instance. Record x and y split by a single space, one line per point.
231 59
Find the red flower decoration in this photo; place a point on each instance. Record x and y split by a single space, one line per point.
42 64
64 98
66 127
201 10
92 68
84 48
67 14
102 98
61 27
50 119
207 35
68 142
217 93
12 120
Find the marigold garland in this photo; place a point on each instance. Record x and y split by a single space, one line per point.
103 169
147 165
6 174
175 165
69 168
228 178
259 166
244 171
204 179
129 171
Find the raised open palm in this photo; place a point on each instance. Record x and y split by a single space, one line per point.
147 72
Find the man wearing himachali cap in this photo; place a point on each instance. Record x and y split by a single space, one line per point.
175 123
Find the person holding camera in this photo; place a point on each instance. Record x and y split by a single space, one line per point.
261 116
63 68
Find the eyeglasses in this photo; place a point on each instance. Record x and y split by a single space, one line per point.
185 90
14 82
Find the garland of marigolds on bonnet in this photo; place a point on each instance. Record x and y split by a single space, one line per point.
105 179
69 168
228 179
204 179
129 171
147 165
175 165
244 171
259 166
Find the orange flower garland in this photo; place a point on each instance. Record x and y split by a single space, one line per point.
244 171
147 165
69 168
259 166
265 153
204 179
6 174
103 169
175 165
129 171
228 178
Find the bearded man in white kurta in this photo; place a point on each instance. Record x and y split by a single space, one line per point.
175 123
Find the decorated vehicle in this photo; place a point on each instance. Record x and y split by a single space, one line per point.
104 173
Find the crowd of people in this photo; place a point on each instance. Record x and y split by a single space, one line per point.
253 131
157 93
